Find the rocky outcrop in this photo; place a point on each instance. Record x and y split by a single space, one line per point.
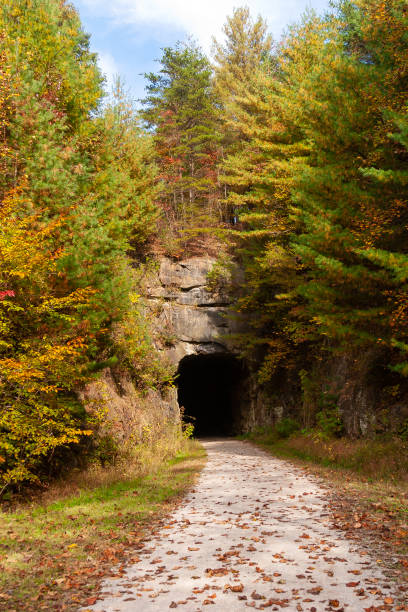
188 317
369 397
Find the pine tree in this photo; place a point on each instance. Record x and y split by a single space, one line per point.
258 190
347 96
180 108
247 45
377 32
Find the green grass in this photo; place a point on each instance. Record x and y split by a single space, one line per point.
56 553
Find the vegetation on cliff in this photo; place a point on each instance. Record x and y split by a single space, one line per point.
311 180
323 195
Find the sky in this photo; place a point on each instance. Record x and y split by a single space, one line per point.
128 34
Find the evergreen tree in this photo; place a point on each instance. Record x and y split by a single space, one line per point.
247 45
180 108
254 171
347 96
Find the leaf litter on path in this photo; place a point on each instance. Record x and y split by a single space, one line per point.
240 541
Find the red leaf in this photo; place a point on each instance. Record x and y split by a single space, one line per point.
91 601
7 293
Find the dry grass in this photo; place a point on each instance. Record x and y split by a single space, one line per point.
373 472
181 243
135 461
56 550
374 459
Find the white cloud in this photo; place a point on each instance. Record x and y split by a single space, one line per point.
108 67
200 18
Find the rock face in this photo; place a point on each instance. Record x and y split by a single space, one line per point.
188 317
360 384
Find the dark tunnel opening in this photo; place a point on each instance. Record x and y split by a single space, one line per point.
209 391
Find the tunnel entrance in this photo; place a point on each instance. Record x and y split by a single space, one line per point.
209 391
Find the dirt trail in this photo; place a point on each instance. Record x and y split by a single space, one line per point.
255 533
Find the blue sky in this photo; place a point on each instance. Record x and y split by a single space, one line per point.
128 34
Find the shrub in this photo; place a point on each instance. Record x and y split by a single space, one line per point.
329 423
286 427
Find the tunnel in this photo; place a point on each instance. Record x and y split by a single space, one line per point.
209 392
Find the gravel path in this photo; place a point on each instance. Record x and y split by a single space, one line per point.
255 533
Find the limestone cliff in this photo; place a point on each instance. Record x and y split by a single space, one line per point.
191 319
188 317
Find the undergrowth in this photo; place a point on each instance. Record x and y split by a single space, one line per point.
380 458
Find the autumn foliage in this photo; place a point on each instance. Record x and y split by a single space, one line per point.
311 180
317 177
291 156
74 198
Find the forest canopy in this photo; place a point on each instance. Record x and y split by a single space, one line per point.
299 154
287 157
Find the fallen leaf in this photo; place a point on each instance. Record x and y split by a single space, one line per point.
256 595
218 571
91 601
237 588
315 590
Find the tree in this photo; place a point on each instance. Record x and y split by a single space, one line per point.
348 98
257 192
246 48
180 108
247 45
76 193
